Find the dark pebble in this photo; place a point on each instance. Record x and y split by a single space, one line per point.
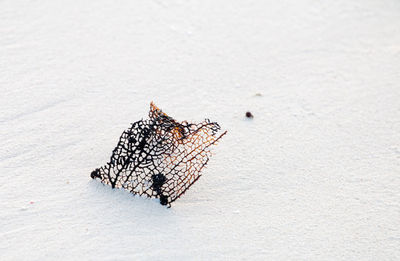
249 115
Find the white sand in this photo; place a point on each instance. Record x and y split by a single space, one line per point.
314 176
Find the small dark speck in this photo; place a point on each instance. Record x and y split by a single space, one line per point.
249 115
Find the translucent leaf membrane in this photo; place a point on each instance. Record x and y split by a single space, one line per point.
160 157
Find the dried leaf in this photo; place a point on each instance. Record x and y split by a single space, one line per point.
160 157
